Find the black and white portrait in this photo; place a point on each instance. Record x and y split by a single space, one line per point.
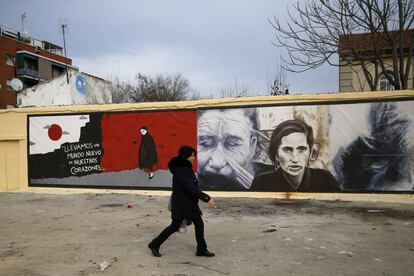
374 149
290 149
227 144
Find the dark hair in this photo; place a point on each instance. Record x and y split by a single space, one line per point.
285 128
144 127
186 151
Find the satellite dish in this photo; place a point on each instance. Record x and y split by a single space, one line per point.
16 85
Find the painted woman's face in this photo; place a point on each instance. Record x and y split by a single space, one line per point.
293 153
143 131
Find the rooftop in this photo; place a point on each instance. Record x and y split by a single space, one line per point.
366 42
25 38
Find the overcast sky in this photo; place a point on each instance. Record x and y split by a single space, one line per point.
215 44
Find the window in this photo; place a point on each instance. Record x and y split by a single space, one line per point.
10 60
30 64
384 84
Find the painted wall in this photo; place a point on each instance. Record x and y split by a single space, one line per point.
308 148
108 149
13 150
324 113
302 148
82 89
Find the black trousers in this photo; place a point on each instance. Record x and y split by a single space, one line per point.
175 225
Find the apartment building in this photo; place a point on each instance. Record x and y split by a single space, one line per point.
26 61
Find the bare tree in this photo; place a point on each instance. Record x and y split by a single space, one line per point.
229 91
365 33
173 87
121 90
236 91
280 85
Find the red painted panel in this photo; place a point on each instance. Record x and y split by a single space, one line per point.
122 137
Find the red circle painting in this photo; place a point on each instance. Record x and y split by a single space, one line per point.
55 132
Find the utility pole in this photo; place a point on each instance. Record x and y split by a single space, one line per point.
63 26
23 18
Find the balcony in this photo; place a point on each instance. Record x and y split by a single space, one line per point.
24 38
27 72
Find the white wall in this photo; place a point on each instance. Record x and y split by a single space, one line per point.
82 89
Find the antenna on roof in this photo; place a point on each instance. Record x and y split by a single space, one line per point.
23 18
24 34
63 25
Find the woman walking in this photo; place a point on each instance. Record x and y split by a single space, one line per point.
184 202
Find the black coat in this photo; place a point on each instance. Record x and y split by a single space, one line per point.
185 190
314 180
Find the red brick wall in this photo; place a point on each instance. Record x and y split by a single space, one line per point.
11 46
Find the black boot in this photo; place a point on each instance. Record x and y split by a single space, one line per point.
154 250
205 253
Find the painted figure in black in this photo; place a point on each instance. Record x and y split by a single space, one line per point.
380 160
147 153
184 202
290 150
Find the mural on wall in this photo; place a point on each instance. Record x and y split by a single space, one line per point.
62 146
374 150
299 148
309 148
81 85
107 149
290 149
227 148
88 89
234 145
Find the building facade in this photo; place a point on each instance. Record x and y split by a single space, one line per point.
30 60
359 52
75 88
352 78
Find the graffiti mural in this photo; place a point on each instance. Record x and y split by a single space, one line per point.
309 148
227 147
107 149
374 150
299 148
290 149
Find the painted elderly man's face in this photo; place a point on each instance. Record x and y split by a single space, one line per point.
293 153
224 142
